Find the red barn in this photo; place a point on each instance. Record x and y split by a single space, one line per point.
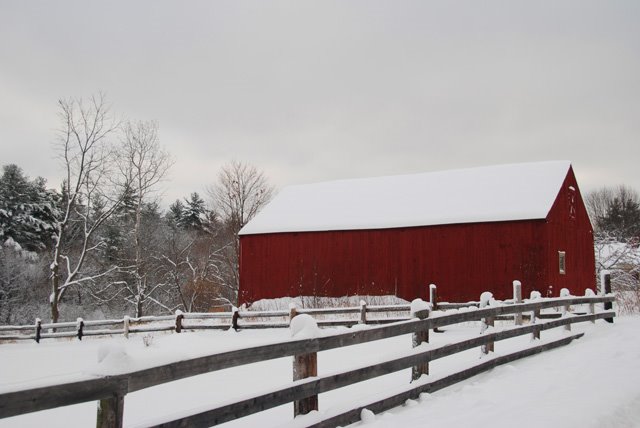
467 230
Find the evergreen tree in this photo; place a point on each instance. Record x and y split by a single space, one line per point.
175 213
27 209
622 218
194 214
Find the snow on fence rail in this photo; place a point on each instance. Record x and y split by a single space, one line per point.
380 314
201 321
111 390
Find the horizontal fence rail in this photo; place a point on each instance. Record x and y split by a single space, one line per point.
111 390
200 321
222 321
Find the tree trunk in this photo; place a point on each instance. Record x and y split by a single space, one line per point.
139 301
55 291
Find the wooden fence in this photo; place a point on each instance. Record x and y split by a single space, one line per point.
110 391
238 320
180 322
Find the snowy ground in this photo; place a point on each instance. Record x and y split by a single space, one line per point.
594 382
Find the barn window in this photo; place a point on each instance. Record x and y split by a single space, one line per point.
562 262
572 202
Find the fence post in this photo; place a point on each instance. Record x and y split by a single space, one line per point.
517 298
38 329
304 366
80 327
363 312
179 318
419 337
592 306
566 309
234 319
110 411
292 312
485 300
535 314
125 322
433 299
606 289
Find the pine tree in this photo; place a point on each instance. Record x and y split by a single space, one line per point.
622 219
175 214
194 214
27 209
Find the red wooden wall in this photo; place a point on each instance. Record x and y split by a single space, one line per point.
463 259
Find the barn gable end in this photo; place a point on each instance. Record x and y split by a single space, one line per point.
290 249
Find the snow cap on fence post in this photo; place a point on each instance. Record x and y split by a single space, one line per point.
418 307
303 326
486 299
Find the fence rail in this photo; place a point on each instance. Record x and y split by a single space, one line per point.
111 390
386 314
199 321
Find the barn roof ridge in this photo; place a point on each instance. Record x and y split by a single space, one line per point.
517 191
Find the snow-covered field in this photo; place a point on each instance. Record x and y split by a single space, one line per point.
593 382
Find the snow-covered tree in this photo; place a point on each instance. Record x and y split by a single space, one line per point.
85 150
143 164
27 209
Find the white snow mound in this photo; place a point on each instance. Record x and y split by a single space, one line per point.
112 358
419 305
303 326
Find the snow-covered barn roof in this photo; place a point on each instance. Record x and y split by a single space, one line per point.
494 193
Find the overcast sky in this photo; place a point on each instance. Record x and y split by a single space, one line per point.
323 90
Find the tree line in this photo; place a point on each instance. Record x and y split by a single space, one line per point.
101 243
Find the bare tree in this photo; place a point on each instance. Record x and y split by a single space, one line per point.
597 203
87 159
239 193
192 266
144 164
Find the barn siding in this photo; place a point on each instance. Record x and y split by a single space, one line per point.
574 235
463 259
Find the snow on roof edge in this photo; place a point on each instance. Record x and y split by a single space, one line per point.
506 184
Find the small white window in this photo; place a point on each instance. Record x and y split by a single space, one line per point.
562 262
